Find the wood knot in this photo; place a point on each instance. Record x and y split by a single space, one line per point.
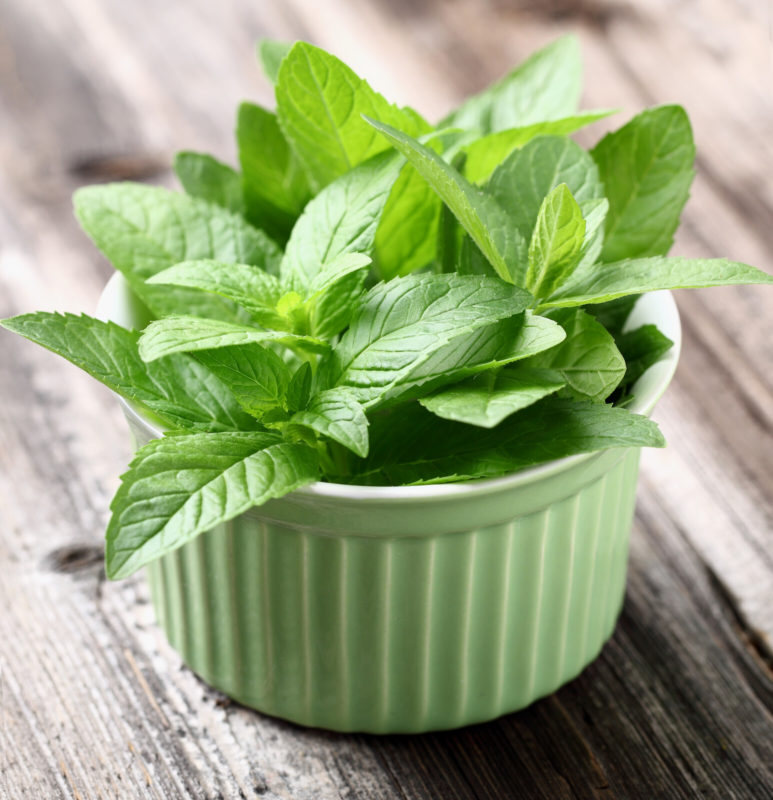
75 558
120 167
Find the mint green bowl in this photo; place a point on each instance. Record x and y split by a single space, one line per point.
408 609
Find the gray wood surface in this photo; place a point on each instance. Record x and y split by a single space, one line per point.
93 702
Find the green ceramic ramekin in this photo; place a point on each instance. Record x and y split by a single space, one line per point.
408 609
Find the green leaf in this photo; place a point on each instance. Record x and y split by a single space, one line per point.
613 314
320 102
145 229
418 447
556 243
251 287
594 214
641 348
275 186
529 174
546 86
181 486
179 391
299 388
607 281
271 53
490 397
342 218
334 294
487 152
335 413
482 218
647 169
256 375
588 359
180 334
205 177
402 323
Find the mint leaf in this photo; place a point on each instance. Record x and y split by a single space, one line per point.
270 54
145 229
556 243
482 218
546 86
334 294
608 281
205 177
180 486
180 334
641 348
255 374
179 391
647 169
402 323
342 218
594 214
614 313
299 388
275 186
418 447
251 287
487 152
335 413
320 103
490 397
588 359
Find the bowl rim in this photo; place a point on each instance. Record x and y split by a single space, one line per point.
659 307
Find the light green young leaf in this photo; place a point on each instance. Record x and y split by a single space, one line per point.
334 293
482 218
145 229
556 243
255 374
490 397
251 287
320 103
647 168
402 323
341 219
182 393
335 413
418 447
275 186
488 152
607 281
588 359
205 177
641 348
181 334
181 486
299 388
594 214
270 54
546 86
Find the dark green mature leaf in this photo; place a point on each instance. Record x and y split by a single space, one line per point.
179 391
270 54
641 348
205 177
180 486
556 243
145 229
275 186
588 359
402 323
482 218
342 218
180 334
251 287
418 447
647 169
256 375
614 313
490 397
607 281
546 86
320 103
488 152
335 413
299 388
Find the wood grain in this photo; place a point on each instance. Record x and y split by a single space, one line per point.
93 702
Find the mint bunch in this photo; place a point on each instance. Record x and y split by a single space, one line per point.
374 299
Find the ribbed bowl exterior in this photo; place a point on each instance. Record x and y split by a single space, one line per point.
391 633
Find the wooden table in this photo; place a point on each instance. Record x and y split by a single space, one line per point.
93 702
